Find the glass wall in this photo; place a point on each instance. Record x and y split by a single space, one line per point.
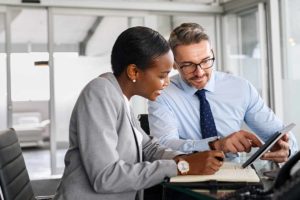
3 80
290 68
243 46
30 85
81 53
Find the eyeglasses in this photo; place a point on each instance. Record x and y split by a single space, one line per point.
190 67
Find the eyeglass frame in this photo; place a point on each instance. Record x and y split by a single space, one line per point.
198 64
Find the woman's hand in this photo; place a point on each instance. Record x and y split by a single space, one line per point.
202 163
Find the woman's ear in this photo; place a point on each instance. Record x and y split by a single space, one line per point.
132 72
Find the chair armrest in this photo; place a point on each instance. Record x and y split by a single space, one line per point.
45 188
49 197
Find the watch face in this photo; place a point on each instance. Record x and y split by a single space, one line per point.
183 166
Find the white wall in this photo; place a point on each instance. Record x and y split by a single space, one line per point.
72 73
291 69
291 99
105 36
291 89
29 82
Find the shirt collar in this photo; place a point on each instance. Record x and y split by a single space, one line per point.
210 86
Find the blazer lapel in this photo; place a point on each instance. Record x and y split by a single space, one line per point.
129 114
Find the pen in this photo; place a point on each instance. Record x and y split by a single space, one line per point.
219 159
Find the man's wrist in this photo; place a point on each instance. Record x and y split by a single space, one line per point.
213 144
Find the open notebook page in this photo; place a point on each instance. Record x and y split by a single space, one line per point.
229 172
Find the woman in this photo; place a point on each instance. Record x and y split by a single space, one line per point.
110 157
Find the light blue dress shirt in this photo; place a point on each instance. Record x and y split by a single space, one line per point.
174 117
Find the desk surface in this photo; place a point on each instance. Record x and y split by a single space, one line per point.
195 192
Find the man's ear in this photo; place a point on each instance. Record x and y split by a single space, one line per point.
132 72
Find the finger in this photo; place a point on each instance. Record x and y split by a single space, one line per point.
255 142
282 145
230 148
239 146
276 154
213 168
275 159
215 165
246 144
210 172
240 142
218 154
285 137
279 160
216 162
207 170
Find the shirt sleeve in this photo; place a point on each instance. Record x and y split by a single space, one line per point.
163 125
262 120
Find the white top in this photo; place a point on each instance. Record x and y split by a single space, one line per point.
138 134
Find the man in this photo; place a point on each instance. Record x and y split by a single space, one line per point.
181 122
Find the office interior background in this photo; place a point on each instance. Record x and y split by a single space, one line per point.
51 49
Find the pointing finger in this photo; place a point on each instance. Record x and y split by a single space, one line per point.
254 140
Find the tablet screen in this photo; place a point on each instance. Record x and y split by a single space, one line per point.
268 144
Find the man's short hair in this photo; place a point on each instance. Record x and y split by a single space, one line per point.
187 33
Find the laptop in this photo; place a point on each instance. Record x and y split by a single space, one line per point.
268 144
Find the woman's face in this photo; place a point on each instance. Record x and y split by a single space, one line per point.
155 78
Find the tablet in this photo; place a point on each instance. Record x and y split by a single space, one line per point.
268 144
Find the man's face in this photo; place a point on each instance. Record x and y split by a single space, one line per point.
185 55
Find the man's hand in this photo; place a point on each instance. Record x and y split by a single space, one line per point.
203 163
280 151
240 141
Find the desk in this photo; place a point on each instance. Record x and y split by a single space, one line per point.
172 191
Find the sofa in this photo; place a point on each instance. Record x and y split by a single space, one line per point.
30 128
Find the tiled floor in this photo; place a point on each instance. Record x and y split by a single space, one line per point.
38 161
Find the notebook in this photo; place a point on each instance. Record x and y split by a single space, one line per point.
229 172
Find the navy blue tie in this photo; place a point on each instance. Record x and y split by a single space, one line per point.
207 123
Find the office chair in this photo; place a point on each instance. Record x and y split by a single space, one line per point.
143 118
154 192
14 178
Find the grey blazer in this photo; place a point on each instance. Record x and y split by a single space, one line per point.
102 160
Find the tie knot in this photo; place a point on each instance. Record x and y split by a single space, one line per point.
200 93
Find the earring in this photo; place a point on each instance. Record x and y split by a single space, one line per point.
133 80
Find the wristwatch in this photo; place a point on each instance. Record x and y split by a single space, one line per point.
183 167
